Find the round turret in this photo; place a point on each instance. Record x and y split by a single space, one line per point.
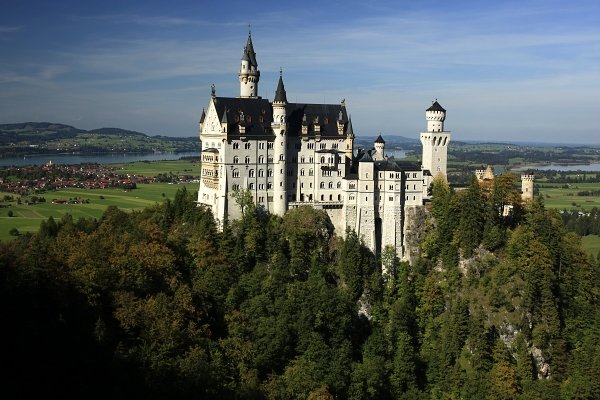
435 116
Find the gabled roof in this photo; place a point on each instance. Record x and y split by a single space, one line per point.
257 114
325 115
436 107
398 166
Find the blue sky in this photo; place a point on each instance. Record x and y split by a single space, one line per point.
504 70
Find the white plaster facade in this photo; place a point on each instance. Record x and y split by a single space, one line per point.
291 154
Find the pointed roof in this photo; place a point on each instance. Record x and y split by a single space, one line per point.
249 54
379 140
436 107
280 92
203 116
349 130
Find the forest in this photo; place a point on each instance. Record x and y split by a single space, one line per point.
161 304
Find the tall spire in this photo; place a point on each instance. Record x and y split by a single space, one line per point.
249 74
280 95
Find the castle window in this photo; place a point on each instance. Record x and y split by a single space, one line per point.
261 146
391 198
236 173
251 186
261 173
236 145
247 160
269 172
236 160
391 187
235 187
322 197
330 197
281 157
269 185
302 172
407 188
322 160
311 160
301 184
322 146
322 185
366 187
330 185
339 185
310 172
311 146
269 145
270 159
251 173
261 159
247 146
261 186
302 159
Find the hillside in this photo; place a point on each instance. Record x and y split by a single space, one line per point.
160 304
51 138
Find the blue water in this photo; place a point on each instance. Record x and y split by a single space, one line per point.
593 167
92 158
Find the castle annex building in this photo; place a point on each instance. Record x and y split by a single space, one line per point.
293 154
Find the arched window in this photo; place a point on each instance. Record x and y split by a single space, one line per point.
310 172
322 160
330 185
236 145
261 173
251 173
322 186
302 172
247 160
339 185
236 160
261 159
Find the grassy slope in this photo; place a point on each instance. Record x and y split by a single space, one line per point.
557 197
28 218
153 168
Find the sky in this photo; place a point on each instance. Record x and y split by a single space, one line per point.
504 70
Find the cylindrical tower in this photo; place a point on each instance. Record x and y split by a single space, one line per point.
279 150
435 116
249 74
527 187
435 141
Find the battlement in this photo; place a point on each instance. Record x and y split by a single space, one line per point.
528 178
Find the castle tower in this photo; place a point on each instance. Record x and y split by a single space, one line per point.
249 74
379 148
279 149
527 187
435 141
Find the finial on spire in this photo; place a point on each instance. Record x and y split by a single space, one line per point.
212 90
280 72
249 30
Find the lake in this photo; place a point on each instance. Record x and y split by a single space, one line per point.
92 158
592 167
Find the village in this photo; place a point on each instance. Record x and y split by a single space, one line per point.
36 179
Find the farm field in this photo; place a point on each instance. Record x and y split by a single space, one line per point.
591 244
153 168
558 196
27 218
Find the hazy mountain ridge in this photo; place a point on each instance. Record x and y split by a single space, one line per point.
49 137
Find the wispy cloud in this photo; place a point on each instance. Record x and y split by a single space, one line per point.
9 29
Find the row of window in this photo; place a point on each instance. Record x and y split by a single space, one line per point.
261 145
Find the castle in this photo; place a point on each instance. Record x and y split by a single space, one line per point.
293 154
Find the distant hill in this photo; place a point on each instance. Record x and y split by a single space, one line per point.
51 138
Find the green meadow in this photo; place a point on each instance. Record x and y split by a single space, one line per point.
27 218
153 168
556 195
